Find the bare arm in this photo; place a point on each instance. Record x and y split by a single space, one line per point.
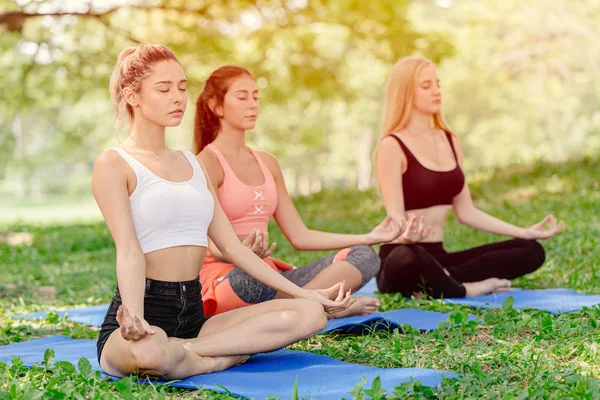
469 215
390 164
215 173
109 186
291 224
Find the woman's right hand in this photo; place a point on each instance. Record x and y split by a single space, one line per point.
132 326
414 228
259 244
333 299
415 231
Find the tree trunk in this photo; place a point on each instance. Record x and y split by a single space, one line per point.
19 154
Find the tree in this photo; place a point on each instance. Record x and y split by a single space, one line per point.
524 78
323 59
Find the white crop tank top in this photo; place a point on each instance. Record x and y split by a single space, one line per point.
167 214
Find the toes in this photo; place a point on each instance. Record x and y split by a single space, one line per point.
372 301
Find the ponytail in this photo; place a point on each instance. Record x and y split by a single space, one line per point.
133 65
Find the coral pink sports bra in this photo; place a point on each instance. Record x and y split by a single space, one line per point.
247 207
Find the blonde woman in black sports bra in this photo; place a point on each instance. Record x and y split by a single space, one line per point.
159 208
419 169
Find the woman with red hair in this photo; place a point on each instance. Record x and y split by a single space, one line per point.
251 189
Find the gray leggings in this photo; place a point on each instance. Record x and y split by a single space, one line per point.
252 291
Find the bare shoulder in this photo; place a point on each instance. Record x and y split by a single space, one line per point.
209 163
205 159
267 157
110 173
109 160
270 161
389 145
208 157
399 133
455 141
456 145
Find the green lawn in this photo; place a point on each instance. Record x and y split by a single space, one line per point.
511 354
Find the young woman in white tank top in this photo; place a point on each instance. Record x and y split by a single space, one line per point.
159 208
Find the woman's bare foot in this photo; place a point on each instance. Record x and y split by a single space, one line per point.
362 306
491 285
220 363
237 360
225 362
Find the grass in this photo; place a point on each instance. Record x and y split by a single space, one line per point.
48 210
510 354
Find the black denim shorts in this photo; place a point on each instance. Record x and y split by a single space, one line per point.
175 307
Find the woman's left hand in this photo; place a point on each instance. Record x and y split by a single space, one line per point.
259 244
388 230
333 299
539 231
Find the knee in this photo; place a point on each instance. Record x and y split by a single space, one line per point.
310 318
399 266
150 353
245 288
403 256
535 253
366 260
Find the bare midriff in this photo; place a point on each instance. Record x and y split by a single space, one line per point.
175 264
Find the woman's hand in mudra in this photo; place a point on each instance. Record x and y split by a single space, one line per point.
388 230
259 244
132 326
544 229
413 228
333 299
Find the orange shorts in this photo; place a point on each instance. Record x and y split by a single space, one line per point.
215 286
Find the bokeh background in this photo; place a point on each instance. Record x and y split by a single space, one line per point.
519 78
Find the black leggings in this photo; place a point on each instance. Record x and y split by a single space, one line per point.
420 267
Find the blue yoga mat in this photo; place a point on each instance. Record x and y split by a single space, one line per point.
368 290
92 316
552 300
419 319
265 374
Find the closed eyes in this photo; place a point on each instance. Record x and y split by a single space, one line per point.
167 90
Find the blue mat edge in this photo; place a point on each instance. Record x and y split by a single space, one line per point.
440 375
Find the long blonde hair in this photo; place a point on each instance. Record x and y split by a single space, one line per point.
400 96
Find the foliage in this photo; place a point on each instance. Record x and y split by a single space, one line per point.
513 73
519 78
309 59
510 354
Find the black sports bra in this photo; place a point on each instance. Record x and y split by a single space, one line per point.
424 188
